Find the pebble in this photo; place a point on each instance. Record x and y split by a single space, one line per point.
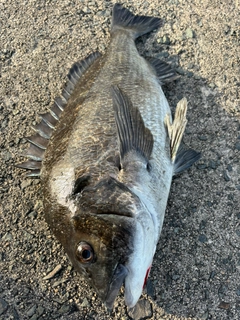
224 305
85 303
190 74
204 316
32 214
189 33
222 290
212 164
226 176
64 309
15 111
237 145
86 10
202 138
38 204
150 288
142 310
238 232
202 224
166 40
3 306
176 277
31 311
57 283
202 166
40 310
7 237
202 238
53 272
6 155
26 183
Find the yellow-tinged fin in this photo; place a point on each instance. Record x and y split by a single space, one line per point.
176 129
181 156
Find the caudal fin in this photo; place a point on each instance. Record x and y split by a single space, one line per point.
122 18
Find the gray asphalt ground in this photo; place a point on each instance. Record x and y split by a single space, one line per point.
196 270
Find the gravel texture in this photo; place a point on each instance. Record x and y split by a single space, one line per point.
196 270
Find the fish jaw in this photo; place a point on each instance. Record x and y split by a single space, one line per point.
117 281
140 261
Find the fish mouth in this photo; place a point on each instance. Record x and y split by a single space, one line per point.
118 278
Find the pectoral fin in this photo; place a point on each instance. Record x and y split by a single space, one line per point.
132 133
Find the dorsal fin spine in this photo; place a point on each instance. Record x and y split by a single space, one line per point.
55 116
50 119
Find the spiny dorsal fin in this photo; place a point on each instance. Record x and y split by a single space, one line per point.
122 18
185 158
39 141
31 165
164 71
132 133
78 69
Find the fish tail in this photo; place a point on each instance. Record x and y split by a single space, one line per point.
122 18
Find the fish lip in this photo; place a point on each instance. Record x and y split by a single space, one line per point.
118 278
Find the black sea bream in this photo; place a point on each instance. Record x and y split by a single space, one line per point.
106 153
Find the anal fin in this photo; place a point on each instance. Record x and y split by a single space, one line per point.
185 158
176 129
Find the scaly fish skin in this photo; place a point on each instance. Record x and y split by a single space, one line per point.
108 165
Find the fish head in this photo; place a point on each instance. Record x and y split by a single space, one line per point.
99 249
108 239
101 236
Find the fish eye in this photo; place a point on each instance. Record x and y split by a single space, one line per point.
84 252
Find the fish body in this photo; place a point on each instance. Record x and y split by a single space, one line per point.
107 162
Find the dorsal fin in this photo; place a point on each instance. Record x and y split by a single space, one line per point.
132 133
39 141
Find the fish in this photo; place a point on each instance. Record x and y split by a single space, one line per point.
106 153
